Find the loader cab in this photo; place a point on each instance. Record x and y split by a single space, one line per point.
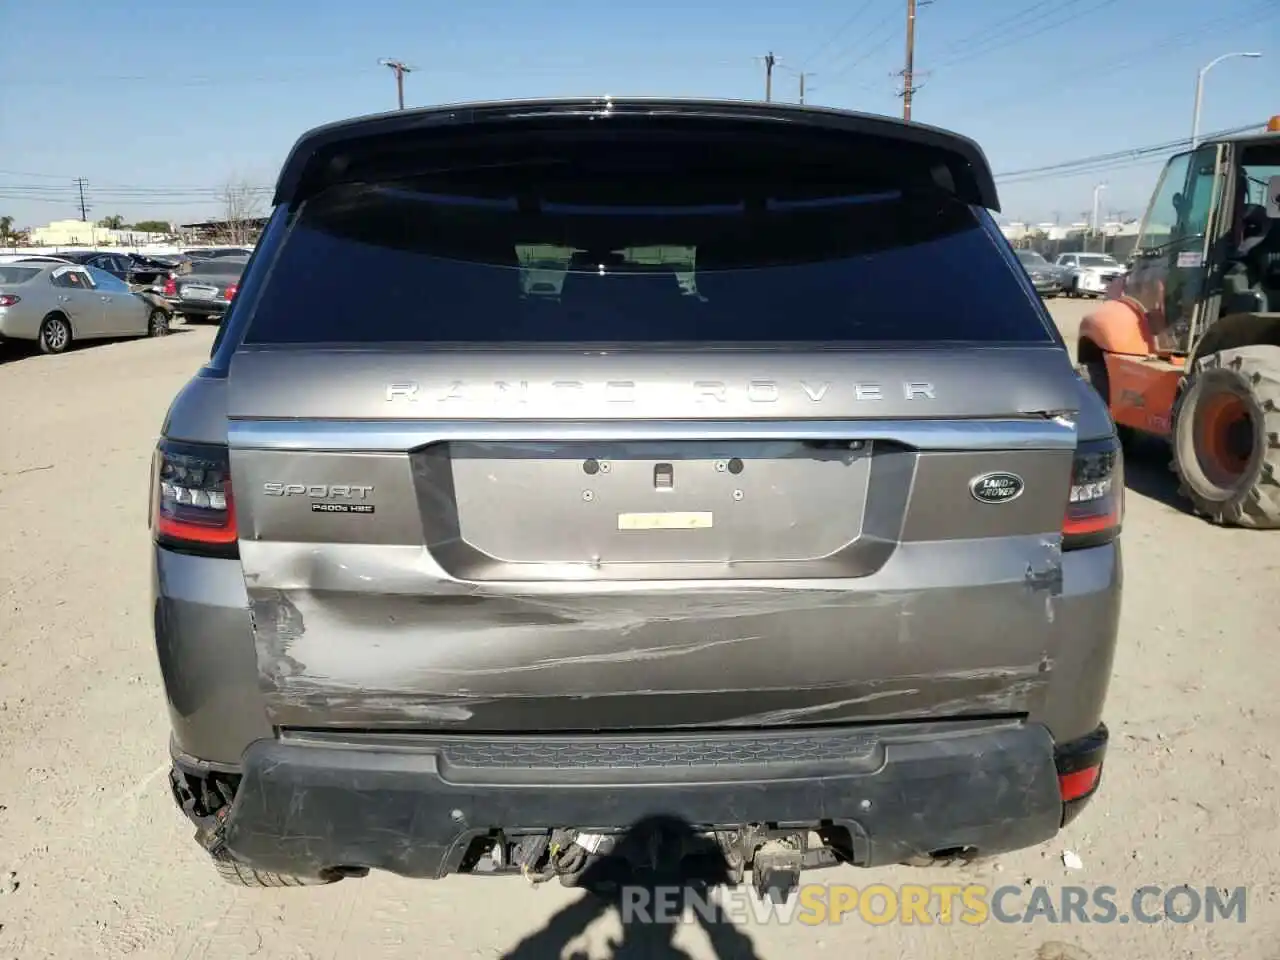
1251 272
1209 245
1172 258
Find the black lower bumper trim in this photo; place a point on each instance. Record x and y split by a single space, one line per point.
305 807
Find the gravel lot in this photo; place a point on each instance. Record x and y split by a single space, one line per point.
95 860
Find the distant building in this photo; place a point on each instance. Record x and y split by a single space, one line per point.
236 232
86 233
1017 230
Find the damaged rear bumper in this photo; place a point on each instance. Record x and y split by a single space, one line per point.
419 806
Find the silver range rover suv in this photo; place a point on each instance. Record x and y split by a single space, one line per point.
567 468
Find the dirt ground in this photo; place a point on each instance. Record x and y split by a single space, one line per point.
95 860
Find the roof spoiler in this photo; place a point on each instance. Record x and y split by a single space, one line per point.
343 152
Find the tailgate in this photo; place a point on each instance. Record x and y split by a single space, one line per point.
642 418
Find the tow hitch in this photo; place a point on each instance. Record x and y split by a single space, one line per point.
775 869
775 857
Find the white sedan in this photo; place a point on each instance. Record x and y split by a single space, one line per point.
1088 274
57 304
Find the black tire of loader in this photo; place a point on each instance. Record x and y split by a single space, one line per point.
1253 375
1094 373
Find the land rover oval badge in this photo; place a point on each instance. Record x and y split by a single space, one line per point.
996 487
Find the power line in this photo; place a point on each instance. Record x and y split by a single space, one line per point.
1128 163
60 201
24 173
1074 74
1095 70
1114 160
123 194
457 70
870 41
983 49
1168 146
994 29
840 31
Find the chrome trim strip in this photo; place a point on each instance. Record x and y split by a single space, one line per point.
398 436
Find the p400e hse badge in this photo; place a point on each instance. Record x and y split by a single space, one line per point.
326 497
996 487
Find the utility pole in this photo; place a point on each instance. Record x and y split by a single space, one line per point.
81 182
400 69
908 72
769 62
1097 192
803 75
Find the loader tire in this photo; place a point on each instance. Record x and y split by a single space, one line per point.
1226 437
1094 373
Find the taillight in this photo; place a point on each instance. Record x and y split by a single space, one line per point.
1095 507
192 508
231 290
170 286
8 299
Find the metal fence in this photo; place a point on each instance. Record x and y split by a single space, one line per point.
1118 246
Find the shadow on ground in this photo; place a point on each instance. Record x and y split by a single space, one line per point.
12 351
679 869
1147 472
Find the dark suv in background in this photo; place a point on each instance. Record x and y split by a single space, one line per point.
565 464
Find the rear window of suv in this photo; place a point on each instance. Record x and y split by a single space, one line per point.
400 262
222 267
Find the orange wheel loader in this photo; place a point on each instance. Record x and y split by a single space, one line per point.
1186 345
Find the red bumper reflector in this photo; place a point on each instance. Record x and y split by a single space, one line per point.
1079 784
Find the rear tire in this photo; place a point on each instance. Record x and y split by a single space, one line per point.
55 334
157 323
237 874
1226 437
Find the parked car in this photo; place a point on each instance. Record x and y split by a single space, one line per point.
1088 274
165 284
59 304
1044 275
146 270
733 522
119 265
129 267
207 289
30 258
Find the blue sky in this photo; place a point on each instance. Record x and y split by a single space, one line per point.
158 111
